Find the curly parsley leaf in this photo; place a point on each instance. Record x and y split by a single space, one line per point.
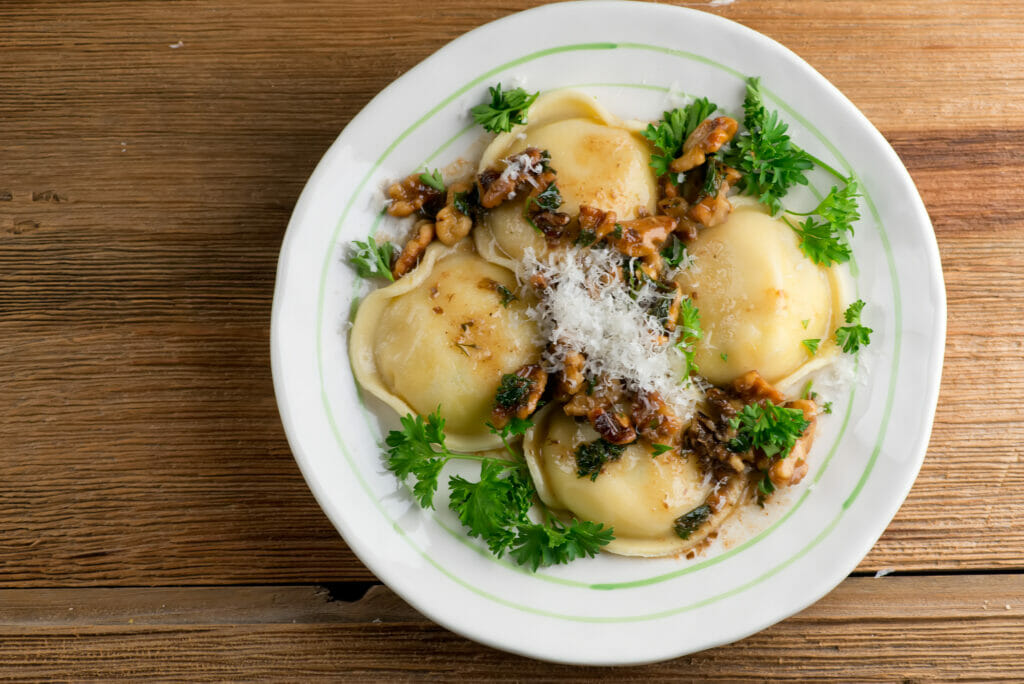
772 429
372 260
539 545
411 451
768 160
506 108
433 179
496 507
492 507
854 336
689 333
673 130
823 241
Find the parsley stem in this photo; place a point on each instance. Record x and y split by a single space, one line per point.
472 457
825 166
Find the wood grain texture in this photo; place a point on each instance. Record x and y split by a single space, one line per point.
890 628
144 193
149 188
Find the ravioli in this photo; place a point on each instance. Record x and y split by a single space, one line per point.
759 298
639 495
601 162
441 336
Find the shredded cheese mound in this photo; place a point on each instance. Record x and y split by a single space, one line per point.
586 307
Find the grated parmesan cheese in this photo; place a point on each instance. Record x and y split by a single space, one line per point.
587 308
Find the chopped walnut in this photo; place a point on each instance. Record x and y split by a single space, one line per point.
752 387
422 236
452 225
606 393
655 420
595 222
411 195
706 139
614 428
793 468
496 185
572 378
643 236
535 380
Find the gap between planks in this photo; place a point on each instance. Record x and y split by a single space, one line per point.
887 628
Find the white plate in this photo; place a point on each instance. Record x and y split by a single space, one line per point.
608 610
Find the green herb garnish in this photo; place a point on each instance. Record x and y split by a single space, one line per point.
512 391
372 260
496 507
690 332
433 179
659 449
764 154
770 428
591 457
673 130
506 108
674 252
687 523
854 336
823 240
507 295
811 344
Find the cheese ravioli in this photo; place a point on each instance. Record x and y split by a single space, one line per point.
639 495
601 162
443 336
759 297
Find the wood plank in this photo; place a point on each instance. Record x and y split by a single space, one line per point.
867 629
140 438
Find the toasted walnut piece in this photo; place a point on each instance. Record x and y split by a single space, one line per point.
652 266
422 235
572 379
793 468
706 139
411 195
643 236
537 380
655 420
496 185
551 223
614 428
752 387
452 225
605 393
672 318
595 222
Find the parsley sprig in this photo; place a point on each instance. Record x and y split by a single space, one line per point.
433 179
854 336
506 108
823 239
673 130
689 333
769 161
372 260
772 429
496 507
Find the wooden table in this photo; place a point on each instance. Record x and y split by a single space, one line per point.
152 520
